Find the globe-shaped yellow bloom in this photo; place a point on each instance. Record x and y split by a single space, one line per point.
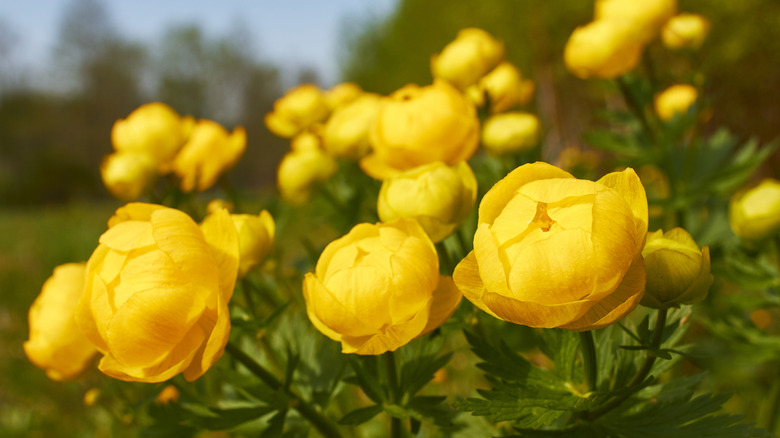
510 133
209 152
504 87
298 109
473 53
154 129
646 16
602 49
128 175
56 343
301 169
755 213
555 251
675 100
379 287
255 239
437 196
685 31
421 125
346 134
343 94
678 271
155 302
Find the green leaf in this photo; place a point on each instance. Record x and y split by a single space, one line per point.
213 418
361 415
367 377
275 425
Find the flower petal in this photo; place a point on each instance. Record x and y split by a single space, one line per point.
446 299
222 238
628 185
468 281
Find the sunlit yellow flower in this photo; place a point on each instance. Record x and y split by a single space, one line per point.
555 251
504 87
92 395
209 152
755 214
510 132
343 94
217 204
421 125
302 169
437 196
602 49
56 344
169 394
379 287
154 129
255 239
674 100
346 133
685 31
473 53
297 110
646 17
678 272
307 140
128 175
156 293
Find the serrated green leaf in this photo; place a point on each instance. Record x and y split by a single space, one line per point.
361 415
367 377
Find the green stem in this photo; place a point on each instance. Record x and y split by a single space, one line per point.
772 410
393 392
246 288
589 359
444 255
322 424
635 107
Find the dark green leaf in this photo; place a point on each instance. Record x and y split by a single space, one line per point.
360 416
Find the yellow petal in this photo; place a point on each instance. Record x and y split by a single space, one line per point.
145 272
218 324
93 311
309 286
468 281
128 235
136 211
493 265
222 238
365 291
628 185
446 299
391 338
534 314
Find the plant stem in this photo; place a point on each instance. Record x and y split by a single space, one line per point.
392 381
589 359
444 255
322 424
772 410
635 107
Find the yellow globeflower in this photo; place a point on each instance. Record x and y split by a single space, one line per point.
255 239
56 344
346 133
210 151
421 125
437 196
343 94
473 53
646 17
678 272
154 129
128 175
300 108
602 49
555 251
155 302
685 31
504 87
379 287
674 100
302 169
755 214
510 132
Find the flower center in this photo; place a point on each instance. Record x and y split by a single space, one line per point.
541 218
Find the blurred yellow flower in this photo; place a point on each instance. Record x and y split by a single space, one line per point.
92 395
346 132
510 132
156 293
437 196
307 140
255 239
168 395
646 17
674 100
602 49
343 94
554 251
302 169
298 109
379 287
580 163
685 31
755 213
473 53
421 125
217 204
678 272
504 87
128 175
56 344
209 152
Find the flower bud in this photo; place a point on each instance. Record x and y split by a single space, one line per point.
302 169
602 49
685 31
678 272
674 100
154 129
646 17
209 152
217 204
343 94
297 110
255 239
347 132
473 53
755 214
128 175
168 395
437 196
504 87
510 132
56 344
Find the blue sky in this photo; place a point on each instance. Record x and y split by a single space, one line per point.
292 33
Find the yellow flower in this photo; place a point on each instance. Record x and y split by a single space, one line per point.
154 129
646 17
128 175
302 169
555 251
209 152
300 108
217 204
56 344
255 239
379 287
580 163
92 395
473 53
602 49
343 94
168 395
437 196
421 125
755 214
510 132
685 31
346 133
678 272
674 100
505 88
157 288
